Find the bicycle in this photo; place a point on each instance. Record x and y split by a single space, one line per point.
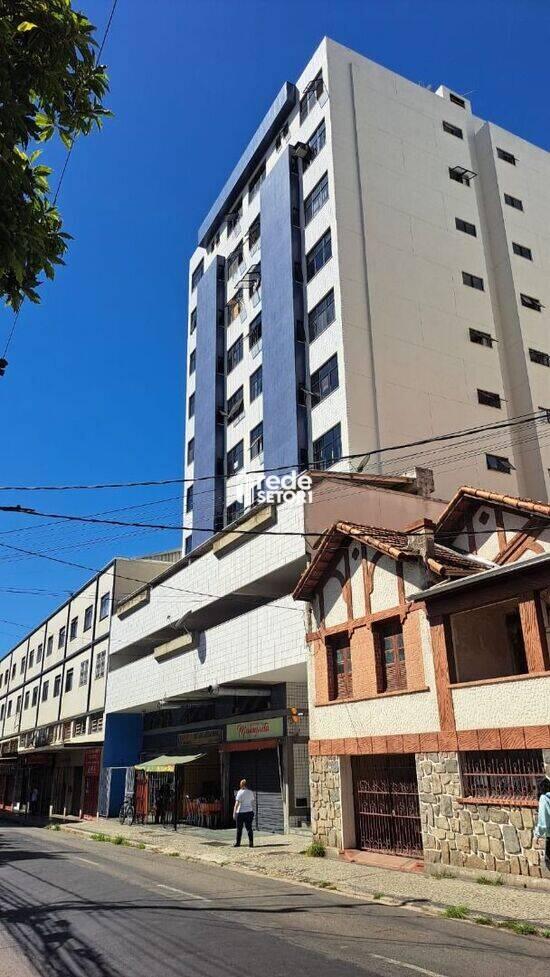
127 812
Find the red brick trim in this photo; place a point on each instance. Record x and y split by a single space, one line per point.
512 738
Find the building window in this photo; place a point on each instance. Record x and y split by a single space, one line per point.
88 617
79 727
499 463
457 100
316 199
536 356
235 354
465 226
312 94
234 511
488 399
34 696
193 322
235 261
481 338
26 700
256 384
319 255
256 183
235 406
390 657
9 709
507 157
31 662
522 251
254 236
461 175
324 380
327 449
255 332
235 458
69 675
474 281
61 637
190 451
191 406
39 654
73 629
18 705
104 606
189 499
315 144
340 679
197 275
531 303
83 678
22 666
504 774
45 688
256 440
453 130
192 361
546 412
13 670
321 316
49 646
100 661
188 545
233 219
514 202
56 686
95 723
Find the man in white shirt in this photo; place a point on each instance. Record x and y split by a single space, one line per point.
243 813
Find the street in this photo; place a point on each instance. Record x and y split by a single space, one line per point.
75 908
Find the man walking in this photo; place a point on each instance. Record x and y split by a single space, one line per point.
243 814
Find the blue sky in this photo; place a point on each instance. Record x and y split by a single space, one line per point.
95 385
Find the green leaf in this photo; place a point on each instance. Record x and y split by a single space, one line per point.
42 120
66 138
26 25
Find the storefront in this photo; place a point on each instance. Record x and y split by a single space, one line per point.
7 783
254 749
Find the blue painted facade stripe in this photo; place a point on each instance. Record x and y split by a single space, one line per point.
252 156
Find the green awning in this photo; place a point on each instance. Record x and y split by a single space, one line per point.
167 764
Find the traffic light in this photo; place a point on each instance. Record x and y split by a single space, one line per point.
3 365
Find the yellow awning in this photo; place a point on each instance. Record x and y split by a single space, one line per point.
167 764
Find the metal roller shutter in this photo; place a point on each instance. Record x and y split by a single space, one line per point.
260 769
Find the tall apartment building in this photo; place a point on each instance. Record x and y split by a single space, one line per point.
374 271
52 697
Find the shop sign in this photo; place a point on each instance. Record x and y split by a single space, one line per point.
199 737
255 729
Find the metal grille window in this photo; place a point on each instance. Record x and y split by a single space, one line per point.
522 251
499 463
312 94
189 499
257 440
234 510
321 316
453 130
316 199
235 406
465 226
514 202
235 354
506 156
235 458
474 281
324 380
88 617
197 275
315 143
340 679
255 332
100 662
327 449
531 303
73 629
83 678
193 322
502 774
489 399
319 255
256 183
191 451
95 724
79 727
536 356
191 406
256 384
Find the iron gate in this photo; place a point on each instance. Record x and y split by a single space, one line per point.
387 811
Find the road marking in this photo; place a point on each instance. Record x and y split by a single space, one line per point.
182 892
409 966
88 861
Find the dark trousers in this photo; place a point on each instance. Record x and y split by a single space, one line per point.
245 821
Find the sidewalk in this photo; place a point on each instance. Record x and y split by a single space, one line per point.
280 856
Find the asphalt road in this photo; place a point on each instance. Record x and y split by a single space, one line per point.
75 908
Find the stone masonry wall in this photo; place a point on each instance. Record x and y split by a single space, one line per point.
326 812
490 837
